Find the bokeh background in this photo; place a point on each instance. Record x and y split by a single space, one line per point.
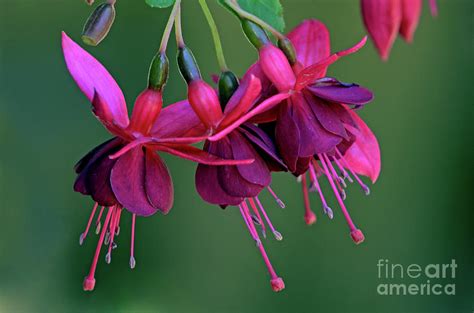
200 258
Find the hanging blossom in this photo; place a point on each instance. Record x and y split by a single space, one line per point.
125 172
315 130
385 19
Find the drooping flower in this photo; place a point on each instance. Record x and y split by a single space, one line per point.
125 172
237 185
314 122
385 19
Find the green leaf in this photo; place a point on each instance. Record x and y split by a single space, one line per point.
271 11
160 3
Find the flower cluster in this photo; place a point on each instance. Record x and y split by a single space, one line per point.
285 114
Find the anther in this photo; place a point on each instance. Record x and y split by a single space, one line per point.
278 200
278 235
108 258
132 262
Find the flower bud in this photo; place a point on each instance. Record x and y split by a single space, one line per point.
205 103
159 70
228 84
98 24
146 110
276 67
255 34
287 47
187 65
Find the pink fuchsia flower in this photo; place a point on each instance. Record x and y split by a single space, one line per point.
126 172
385 19
308 122
315 124
239 185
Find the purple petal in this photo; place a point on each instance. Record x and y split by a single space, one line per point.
230 179
326 116
287 137
342 93
92 77
128 183
95 153
158 184
265 146
255 173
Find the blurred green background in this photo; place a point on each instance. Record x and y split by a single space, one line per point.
200 258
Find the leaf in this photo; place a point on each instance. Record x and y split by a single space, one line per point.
271 11
160 3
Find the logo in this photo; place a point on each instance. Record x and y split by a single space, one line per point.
415 279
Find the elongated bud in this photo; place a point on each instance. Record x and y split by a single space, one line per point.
276 67
287 47
98 24
205 102
187 65
159 70
146 110
228 84
255 34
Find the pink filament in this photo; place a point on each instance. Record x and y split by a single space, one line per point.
253 232
307 204
99 245
132 244
89 222
112 227
269 222
342 169
314 179
255 210
336 193
274 195
359 181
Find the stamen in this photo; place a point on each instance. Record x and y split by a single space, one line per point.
83 236
259 218
343 170
89 281
113 225
132 244
277 234
309 216
276 282
130 146
327 210
336 177
117 228
97 223
278 200
359 181
354 230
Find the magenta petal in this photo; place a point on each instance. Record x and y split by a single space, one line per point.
364 154
255 173
326 115
265 145
311 42
158 184
382 19
230 179
92 77
338 92
208 187
178 120
128 183
287 137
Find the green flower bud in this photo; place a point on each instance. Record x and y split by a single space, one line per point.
286 46
98 24
255 34
187 65
159 70
228 84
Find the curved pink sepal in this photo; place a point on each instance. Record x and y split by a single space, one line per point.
364 154
92 78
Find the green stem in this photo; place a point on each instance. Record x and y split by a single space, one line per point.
232 4
215 35
169 27
177 28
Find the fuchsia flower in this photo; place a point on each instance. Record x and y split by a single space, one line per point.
126 172
384 19
315 128
237 185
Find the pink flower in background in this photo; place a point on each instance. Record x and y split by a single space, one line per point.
126 172
385 19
